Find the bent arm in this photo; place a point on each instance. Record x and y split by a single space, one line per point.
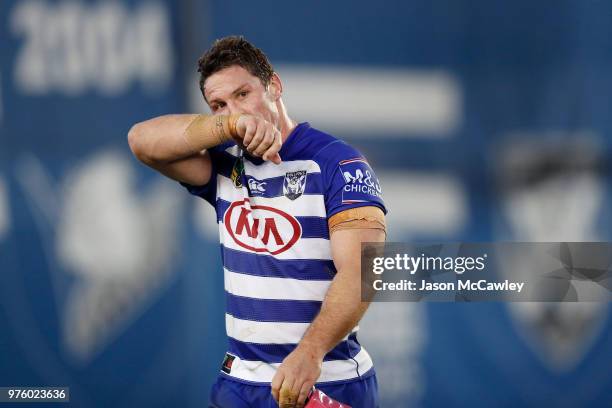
176 145
159 143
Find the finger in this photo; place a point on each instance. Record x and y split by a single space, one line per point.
273 150
304 391
287 400
257 139
241 125
295 391
277 381
276 159
287 397
266 142
251 127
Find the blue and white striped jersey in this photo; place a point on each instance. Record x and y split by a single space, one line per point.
275 247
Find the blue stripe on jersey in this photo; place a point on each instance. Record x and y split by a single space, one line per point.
222 206
272 310
268 266
275 353
312 227
274 185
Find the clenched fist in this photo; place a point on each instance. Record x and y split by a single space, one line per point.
295 377
259 137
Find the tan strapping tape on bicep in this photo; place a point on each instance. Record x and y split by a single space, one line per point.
206 131
368 217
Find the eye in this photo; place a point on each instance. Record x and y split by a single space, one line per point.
215 107
243 94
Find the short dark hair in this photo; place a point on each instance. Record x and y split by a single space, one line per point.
234 50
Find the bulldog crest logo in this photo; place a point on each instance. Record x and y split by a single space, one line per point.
294 184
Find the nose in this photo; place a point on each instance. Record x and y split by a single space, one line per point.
234 107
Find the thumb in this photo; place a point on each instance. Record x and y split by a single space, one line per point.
241 124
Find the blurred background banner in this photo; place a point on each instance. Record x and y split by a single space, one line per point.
485 121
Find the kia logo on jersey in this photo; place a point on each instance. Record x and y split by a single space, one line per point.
261 228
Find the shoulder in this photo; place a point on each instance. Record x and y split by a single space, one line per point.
325 149
347 178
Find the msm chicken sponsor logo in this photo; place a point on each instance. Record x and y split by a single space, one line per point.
360 182
261 228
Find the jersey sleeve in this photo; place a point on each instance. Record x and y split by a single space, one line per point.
208 191
351 181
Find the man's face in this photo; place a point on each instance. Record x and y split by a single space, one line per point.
234 90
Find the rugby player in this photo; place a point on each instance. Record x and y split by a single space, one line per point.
293 205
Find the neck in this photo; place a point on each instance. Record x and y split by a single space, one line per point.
286 124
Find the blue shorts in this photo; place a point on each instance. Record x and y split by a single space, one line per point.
227 393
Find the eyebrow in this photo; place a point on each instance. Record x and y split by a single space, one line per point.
236 91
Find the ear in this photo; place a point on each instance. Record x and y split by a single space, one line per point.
275 87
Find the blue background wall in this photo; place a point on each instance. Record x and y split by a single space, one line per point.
110 280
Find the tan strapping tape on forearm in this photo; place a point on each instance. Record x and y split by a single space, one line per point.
206 131
368 217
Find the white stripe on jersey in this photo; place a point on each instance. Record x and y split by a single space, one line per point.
267 332
261 287
227 191
269 169
309 205
334 370
304 248
264 332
